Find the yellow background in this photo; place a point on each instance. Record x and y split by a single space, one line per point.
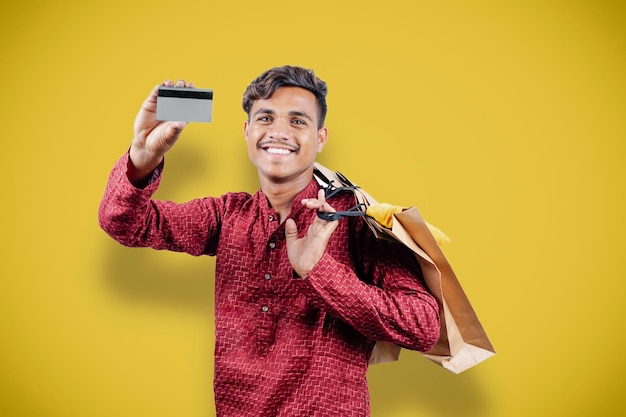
502 121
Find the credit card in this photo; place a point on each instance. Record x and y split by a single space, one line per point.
184 104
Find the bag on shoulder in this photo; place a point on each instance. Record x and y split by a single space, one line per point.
463 342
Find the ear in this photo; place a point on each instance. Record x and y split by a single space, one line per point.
322 138
245 129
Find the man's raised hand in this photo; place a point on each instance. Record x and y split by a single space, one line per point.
153 138
305 252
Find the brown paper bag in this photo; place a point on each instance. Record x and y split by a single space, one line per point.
463 342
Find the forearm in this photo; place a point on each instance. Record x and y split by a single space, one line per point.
140 167
132 218
407 317
124 207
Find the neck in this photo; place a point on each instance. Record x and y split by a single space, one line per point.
281 193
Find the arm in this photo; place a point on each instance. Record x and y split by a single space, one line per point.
127 212
397 309
392 306
130 216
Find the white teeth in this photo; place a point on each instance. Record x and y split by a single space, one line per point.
278 151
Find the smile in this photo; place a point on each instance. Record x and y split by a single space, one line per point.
278 151
276 148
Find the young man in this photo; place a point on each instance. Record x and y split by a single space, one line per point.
299 301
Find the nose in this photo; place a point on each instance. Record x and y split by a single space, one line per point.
279 129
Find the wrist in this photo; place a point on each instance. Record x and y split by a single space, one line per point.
141 166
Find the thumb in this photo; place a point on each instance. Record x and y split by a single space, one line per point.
174 129
166 135
291 231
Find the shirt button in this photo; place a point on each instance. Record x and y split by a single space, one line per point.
265 309
271 218
272 245
268 277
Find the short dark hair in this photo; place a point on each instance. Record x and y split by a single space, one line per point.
266 84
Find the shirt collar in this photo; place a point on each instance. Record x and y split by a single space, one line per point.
310 191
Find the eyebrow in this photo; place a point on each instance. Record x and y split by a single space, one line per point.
291 113
300 114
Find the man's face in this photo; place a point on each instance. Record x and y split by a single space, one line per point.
282 135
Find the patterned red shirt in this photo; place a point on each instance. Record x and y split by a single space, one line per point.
285 345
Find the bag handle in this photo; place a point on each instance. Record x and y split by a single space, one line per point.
330 190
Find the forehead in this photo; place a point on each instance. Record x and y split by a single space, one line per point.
288 99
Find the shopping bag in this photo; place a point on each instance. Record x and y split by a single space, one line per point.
463 342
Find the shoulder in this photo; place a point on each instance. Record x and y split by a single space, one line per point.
233 201
237 198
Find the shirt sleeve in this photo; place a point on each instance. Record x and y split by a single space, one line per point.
131 217
388 303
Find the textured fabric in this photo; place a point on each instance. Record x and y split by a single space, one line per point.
285 345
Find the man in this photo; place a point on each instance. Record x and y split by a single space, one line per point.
299 301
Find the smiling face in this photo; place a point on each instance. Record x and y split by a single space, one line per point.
283 138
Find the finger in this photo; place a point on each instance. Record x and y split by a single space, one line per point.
318 205
179 83
291 231
328 207
312 203
321 196
315 204
153 95
174 129
322 228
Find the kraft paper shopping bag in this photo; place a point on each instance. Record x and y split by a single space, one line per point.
463 342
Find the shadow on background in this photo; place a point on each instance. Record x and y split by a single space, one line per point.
139 275
414 384
175 279
164 278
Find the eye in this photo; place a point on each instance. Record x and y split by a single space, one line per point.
265 119
298 122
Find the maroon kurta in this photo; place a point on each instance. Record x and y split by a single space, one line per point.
285 346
